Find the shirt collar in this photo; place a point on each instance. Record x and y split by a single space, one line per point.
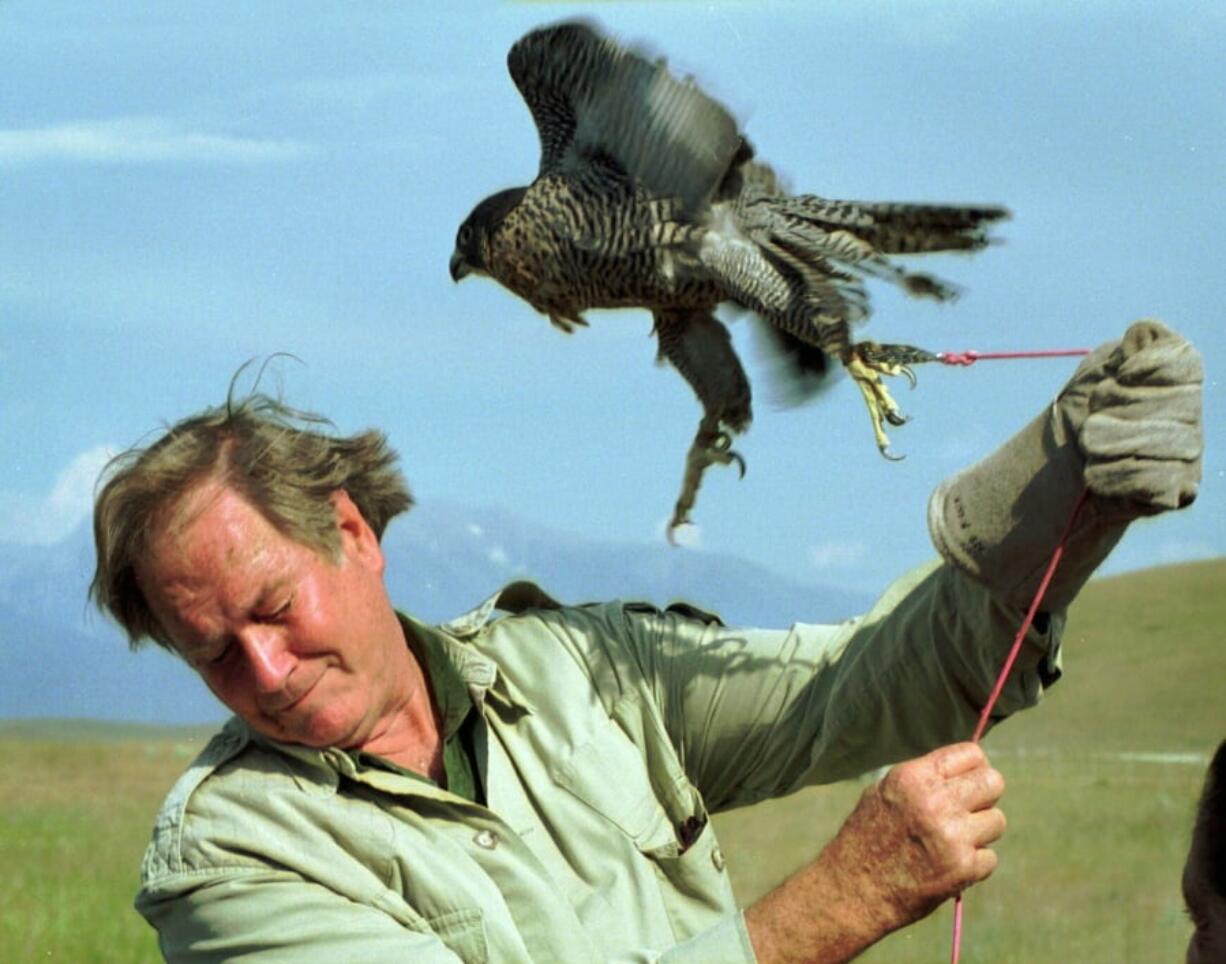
457 651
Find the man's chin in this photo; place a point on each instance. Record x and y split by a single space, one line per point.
330 726
311 719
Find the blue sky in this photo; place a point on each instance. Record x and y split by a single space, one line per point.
185 186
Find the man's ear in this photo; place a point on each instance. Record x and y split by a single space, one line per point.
358 539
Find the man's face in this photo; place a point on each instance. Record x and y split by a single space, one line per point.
303 649
1206 907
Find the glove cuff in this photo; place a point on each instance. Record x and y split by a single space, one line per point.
1000 520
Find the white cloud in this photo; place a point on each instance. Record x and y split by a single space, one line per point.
498 556
138 140
45 520
838 555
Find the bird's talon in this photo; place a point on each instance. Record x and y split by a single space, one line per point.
681 517
896 418
740 462
676 523
907 371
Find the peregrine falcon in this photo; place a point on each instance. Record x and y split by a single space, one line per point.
649 196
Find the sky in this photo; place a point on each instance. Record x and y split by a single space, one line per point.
187 186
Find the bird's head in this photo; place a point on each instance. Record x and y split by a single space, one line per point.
472 240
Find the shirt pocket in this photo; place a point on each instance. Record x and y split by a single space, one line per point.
667 824
608 774
692 867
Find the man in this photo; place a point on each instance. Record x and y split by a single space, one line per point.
537 787
1204 873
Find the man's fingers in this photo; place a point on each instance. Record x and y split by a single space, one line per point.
924 832
986 826
956 759
978 789
985 862
971 779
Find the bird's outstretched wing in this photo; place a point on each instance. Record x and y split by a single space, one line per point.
590 98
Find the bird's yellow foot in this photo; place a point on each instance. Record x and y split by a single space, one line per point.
711 446
866 362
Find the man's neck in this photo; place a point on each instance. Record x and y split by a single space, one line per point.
412 737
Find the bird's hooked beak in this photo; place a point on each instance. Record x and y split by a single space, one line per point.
460 268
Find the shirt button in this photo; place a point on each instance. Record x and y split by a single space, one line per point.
717 858
486 839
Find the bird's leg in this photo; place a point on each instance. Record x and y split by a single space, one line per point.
711 446
697 344
866 362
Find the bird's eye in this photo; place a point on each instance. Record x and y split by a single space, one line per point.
466 233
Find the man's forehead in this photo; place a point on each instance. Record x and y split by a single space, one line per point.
215 554
181 513
210 524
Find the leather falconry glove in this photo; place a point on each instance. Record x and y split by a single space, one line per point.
1127 426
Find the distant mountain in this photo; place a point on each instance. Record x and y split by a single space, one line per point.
444 559
58 657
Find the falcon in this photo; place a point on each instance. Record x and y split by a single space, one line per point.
648 195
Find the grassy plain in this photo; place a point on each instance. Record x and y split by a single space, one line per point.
1102 777
1089 870
76 809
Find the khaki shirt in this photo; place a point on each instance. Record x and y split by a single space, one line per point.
608 734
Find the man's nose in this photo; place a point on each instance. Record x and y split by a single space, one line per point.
268 658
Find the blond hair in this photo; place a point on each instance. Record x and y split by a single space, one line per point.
275 457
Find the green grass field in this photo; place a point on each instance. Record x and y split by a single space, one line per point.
1089 870
1090 866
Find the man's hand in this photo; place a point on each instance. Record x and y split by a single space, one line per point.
916 838
921 834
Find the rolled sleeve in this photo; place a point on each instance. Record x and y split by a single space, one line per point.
727 942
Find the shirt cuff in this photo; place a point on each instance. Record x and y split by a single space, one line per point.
728 941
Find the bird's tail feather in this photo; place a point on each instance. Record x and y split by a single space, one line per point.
846 240
896 228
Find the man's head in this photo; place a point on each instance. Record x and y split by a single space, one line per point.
1204 875
249 545
276 458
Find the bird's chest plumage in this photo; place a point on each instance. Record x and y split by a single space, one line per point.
568 246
